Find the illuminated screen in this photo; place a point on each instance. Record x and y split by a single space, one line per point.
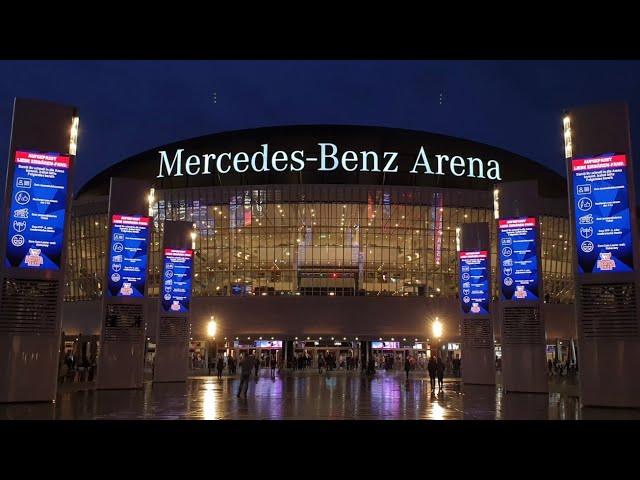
474 282
518 258
378 345
268 344
176 280
128 256
38 202
601 209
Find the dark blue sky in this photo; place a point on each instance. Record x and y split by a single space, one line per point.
130 106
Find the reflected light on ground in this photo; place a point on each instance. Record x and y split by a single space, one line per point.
437 412
209 410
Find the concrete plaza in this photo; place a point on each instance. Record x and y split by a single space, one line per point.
307 395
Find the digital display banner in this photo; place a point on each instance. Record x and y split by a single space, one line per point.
518 258
176 280
601 209
384 345
474 282
38 203
128 256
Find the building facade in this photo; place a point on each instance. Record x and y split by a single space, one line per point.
339 232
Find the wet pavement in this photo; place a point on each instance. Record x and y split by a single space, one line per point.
311 396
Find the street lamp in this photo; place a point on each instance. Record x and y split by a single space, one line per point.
436 327
211 333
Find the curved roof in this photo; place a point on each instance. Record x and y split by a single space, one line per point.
448 163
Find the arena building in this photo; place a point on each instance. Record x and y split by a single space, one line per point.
322 236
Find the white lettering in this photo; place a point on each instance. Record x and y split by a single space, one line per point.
237 161
345 159
473 161
323 156
279 156
425 163
192 161
440 158
365 154
456 162
387 167
164 160
207 157
265 164
495 167
219 162
298 160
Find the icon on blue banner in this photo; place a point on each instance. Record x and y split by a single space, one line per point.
115 277
22 197
466 299
583 189
506 241
586 232
17 240
117 258
118 237
585 204
23 182
587 246
19 226
586 219
21 213
116 267
508 281
168 273
466 276
466 285
118 247
507 271
508 262
606 263
167 297
169 266
506 251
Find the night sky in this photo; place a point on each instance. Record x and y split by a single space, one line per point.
130 106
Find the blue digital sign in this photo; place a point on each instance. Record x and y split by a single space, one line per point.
601 209
518 258
474 282
128 256
176 280
38 204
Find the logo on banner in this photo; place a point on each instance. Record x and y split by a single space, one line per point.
583 189
34 259
175 306
23 182
17 240
118 237
168 282
475 308
116 267
507 271
465 268
506 251
118 247
19 226
167 297
520 292
169 266
587 246
466 276
117 258
167 289
586 232
508 281
466 285
606 262
466 291
168 273
126 289
466 299
115 277
22 197
585 204
506 241
508 262
21 213
586 219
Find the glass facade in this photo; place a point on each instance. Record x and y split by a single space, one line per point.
317 240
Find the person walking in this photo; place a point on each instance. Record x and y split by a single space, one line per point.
431 367
407 366
320 363
440 368
220 366
246 365
257 366
273 366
